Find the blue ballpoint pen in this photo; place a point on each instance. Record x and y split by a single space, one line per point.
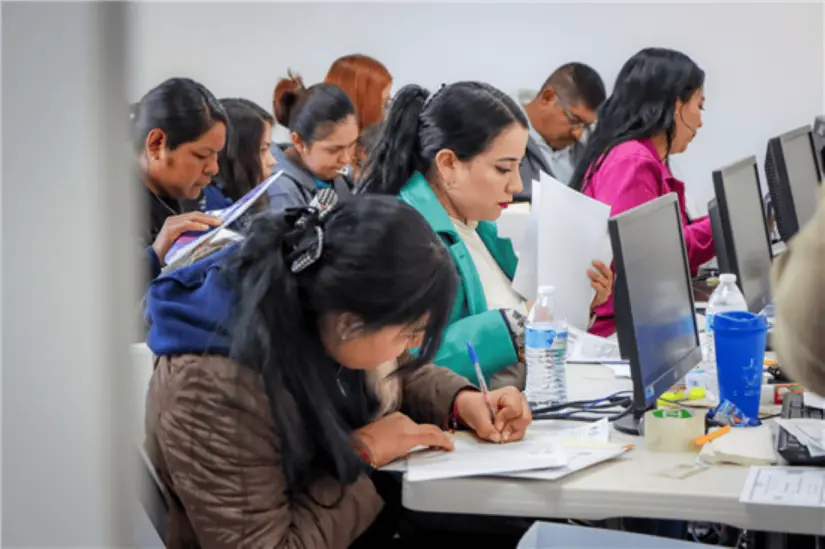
481 383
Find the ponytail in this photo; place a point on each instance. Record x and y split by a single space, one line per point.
398 153
286 94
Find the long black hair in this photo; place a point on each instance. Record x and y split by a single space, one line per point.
464 117
642 105
380 262
182 108
240 160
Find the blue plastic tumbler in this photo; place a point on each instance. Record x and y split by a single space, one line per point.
740 356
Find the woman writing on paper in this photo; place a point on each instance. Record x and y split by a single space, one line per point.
654 111
454 156
324 130
276 391
179 128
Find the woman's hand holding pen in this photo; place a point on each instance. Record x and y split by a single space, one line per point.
512 414
601 280
394 436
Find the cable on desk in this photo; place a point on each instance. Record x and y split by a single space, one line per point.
616 399
595 409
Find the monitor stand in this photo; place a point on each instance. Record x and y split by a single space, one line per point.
631 424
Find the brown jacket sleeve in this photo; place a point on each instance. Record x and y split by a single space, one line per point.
429 392
799 295
216 435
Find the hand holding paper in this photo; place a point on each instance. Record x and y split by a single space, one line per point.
396 435
177 225
601 280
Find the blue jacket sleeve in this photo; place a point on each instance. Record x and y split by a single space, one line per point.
491 339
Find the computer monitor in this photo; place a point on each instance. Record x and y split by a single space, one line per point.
653 302
793 179
740 231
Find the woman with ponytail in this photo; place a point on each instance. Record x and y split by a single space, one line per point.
654 111
282 381
324 134
454 156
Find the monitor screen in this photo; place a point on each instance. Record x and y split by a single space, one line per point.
750 248
802 174
659 297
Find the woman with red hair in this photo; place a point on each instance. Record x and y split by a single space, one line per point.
367 82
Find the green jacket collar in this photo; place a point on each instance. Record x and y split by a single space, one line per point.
418 194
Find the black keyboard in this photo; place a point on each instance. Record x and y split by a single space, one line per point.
787 445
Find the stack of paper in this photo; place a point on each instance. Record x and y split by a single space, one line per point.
584 446
751 446
472 457
543 455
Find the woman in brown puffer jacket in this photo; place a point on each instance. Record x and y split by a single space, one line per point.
270 407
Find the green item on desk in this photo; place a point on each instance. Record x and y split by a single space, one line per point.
677 414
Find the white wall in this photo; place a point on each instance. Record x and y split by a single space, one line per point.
69 289
764 62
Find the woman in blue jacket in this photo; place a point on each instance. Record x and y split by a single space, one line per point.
178 129
454 156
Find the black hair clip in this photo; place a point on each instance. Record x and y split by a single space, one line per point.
308 233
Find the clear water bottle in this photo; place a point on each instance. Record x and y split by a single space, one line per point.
545 352
725 298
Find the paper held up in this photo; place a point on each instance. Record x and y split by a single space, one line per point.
565 233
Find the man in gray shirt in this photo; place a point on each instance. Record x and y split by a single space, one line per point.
560 118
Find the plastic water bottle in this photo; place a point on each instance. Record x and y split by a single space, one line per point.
545 352
725 298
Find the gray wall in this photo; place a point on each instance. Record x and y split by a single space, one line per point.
67 274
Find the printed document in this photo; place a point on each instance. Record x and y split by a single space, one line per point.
791 486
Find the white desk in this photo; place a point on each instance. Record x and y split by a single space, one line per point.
626 487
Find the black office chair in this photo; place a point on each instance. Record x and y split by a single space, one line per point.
151 497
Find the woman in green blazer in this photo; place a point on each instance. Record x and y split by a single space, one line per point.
454 156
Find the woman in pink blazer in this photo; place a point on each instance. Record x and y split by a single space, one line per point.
654 111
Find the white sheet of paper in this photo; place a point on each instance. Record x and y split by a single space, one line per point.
751 446
598 431
619 370
791 486
525 280
513 224
566 232
813 400
809 432
584 348
578 458
472 457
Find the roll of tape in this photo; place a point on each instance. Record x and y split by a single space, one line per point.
673 431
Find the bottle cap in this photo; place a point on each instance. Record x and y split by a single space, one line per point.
547 289
726 278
